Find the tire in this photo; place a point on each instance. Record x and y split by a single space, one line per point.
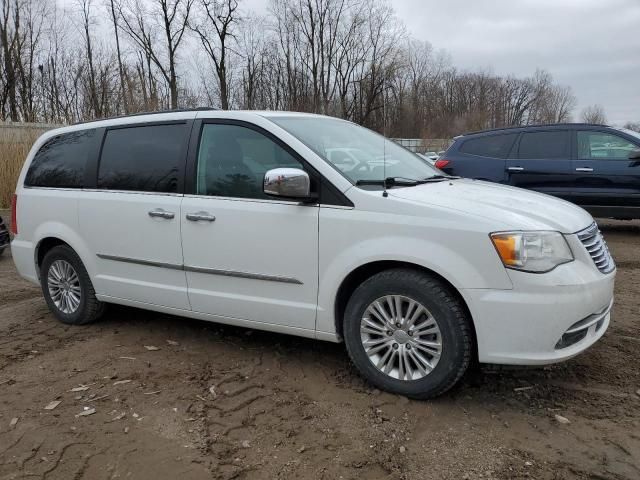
86 308
442 307
2 250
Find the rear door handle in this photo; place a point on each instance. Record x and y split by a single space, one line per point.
201 216
516 169
584 169
160 213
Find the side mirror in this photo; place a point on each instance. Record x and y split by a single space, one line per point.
634 155
290 183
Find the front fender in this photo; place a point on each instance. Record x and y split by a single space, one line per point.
462 254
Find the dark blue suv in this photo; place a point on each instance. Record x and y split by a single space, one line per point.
594 166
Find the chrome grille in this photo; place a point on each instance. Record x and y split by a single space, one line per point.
593 241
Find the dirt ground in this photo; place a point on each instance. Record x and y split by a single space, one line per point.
222 402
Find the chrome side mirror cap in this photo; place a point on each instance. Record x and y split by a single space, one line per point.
291 183
635 154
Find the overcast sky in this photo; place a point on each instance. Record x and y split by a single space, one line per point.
591 45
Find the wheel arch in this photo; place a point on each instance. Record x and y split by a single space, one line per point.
43 246
367 270
53 234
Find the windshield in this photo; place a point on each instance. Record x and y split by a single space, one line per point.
358 153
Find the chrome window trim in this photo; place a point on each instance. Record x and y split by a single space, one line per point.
133 192
210 271
251 200
99 190
203 197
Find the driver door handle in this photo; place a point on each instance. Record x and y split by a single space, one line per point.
584 169
515 169
200 216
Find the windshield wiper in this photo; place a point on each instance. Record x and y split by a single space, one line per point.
441 177
404 182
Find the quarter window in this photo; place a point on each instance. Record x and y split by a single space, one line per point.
598 145
495 146
232 161
142 158
61 161
544 145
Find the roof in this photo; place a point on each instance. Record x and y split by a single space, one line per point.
541 125
139 114
264 113
179 115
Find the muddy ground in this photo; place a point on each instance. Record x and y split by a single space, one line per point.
285 407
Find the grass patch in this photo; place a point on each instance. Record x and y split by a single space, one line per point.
15 144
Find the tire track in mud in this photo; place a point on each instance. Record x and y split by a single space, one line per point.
27 329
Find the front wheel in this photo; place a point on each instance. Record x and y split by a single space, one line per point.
407 333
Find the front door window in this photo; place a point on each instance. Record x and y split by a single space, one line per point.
233 159
602 146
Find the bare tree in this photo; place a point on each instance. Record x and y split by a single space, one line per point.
10 38
158 31
94 103
635 126
121 74
347 58
594 114
215 32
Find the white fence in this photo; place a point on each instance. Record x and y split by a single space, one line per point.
422 145
15 132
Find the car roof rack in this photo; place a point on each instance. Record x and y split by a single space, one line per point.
155 112
538 125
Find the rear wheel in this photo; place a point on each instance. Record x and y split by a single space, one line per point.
67 287
407 333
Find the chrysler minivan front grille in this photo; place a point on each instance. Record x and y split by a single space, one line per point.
593 241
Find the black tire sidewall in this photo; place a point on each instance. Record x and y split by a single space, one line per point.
67 254
439 301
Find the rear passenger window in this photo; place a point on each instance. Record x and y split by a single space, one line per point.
496 146
544 145
61 161
142 158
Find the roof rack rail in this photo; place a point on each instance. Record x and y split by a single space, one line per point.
513 127
156 112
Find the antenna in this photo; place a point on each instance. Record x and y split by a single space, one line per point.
384 138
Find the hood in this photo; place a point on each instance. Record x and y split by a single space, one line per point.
512 207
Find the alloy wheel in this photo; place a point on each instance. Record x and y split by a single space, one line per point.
64 286
401 337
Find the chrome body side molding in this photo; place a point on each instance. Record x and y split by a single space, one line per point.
254 276
147 263
210 271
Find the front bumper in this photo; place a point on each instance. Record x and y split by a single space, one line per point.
545 318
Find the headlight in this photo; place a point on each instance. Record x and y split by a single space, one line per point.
537 252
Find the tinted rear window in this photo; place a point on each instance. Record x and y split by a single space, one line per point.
61 161
544 145
496 146
145 158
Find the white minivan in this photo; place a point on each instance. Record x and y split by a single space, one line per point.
242 218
